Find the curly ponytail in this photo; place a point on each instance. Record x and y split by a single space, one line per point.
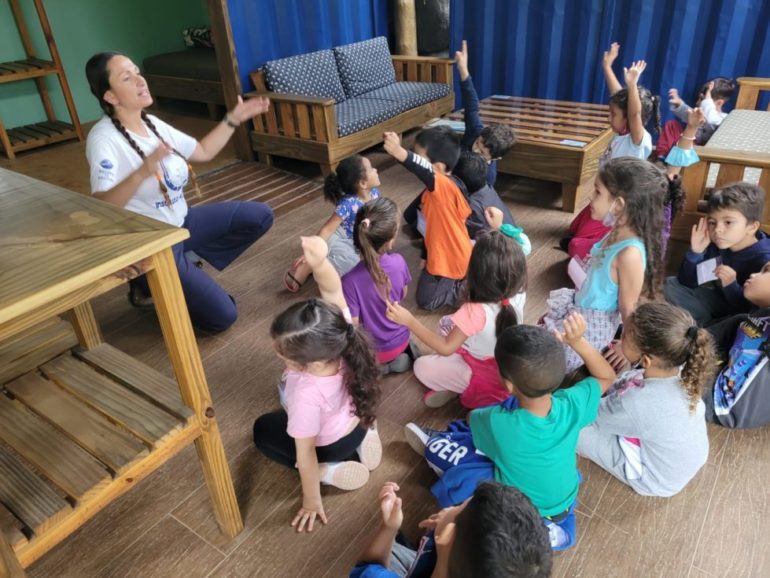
669 333
316 330
344 181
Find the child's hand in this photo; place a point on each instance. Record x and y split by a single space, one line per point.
314 251
311 509
673 98
695 118
461 60
633 73
391 143
614 356
709 88
398 314
611 54
494 217
444 542
390 506
574 329
725 274
699 237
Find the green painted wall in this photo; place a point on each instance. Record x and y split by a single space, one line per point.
140 28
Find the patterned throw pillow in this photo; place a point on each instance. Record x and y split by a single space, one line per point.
312 74
365 66
198 37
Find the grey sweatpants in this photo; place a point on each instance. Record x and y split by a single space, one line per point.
342 252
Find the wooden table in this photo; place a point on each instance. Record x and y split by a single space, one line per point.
80 421
556 140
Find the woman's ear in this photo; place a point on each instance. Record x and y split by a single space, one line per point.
110 97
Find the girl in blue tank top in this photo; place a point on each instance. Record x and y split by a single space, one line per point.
629 196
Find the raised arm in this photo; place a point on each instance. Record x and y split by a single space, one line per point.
597 366
613 85
634 112
211 144
315 250
470 100
379 549
414 163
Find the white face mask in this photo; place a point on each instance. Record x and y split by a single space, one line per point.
610 218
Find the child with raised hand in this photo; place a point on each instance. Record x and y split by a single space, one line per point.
381 276
330 393
650 432
496 532
732 237
464 362
445 210
629 196
630 110
354 183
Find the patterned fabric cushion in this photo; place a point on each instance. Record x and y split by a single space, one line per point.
358 113
409 94
364 66
312 74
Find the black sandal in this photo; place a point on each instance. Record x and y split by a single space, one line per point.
138 298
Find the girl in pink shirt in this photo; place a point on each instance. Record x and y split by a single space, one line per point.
330 392
464 363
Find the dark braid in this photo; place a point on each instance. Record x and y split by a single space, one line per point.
193 176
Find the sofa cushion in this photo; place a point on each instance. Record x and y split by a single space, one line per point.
312 74
409 95
358 113
364 66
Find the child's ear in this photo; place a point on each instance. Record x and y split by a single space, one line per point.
620 204
440 167
509 386
719 102
754 227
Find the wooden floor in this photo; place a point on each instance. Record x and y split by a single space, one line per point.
718 526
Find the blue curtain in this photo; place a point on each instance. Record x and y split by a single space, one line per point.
552 48
267 29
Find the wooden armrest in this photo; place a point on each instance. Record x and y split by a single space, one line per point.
733 157
761 83
427 59
293 98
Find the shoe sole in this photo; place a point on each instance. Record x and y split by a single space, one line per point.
434 399
350 476
371 450
414 440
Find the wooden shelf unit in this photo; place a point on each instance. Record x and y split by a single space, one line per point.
13 140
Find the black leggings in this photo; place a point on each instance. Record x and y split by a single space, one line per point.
271 439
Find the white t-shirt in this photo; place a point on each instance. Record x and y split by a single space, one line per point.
622 145
112 159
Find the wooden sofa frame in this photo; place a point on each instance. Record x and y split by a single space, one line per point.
305 127
731 167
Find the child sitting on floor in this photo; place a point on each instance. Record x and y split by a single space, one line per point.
445 210
628 197
330 392
731 236
464 362
530 440
494 533
630 110
650 432
711 98
381 276
353 183
740 396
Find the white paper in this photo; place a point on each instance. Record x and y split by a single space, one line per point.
705 271
421 224
576 272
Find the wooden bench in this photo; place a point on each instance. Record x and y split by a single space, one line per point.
305 127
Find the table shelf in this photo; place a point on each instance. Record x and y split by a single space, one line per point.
76 425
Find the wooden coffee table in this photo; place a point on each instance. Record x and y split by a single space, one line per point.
556 140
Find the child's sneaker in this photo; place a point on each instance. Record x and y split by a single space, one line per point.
417 437
370 450
345 475
436 399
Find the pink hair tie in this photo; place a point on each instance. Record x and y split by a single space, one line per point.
366 222
505 302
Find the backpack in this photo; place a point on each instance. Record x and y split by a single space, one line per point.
740 397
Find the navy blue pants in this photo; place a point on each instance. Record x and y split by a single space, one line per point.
219 233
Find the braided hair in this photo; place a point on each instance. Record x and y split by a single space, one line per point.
98 76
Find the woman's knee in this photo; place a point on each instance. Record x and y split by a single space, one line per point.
256 216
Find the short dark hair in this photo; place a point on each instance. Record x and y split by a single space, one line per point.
747 199
531 358
500 534
471 168
724 88
441 144
498 138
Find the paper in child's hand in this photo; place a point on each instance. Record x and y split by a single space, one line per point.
705 270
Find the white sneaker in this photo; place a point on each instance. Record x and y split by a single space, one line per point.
344 475
370 450
416 437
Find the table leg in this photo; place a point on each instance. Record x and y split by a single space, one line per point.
185 359
569 196
85 326
9 563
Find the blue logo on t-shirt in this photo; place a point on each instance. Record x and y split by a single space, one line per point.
106 164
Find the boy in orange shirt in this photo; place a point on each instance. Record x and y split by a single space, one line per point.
445 209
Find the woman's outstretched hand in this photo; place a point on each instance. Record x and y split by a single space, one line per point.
246 109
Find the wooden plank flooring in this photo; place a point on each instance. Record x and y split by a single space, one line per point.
165 526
